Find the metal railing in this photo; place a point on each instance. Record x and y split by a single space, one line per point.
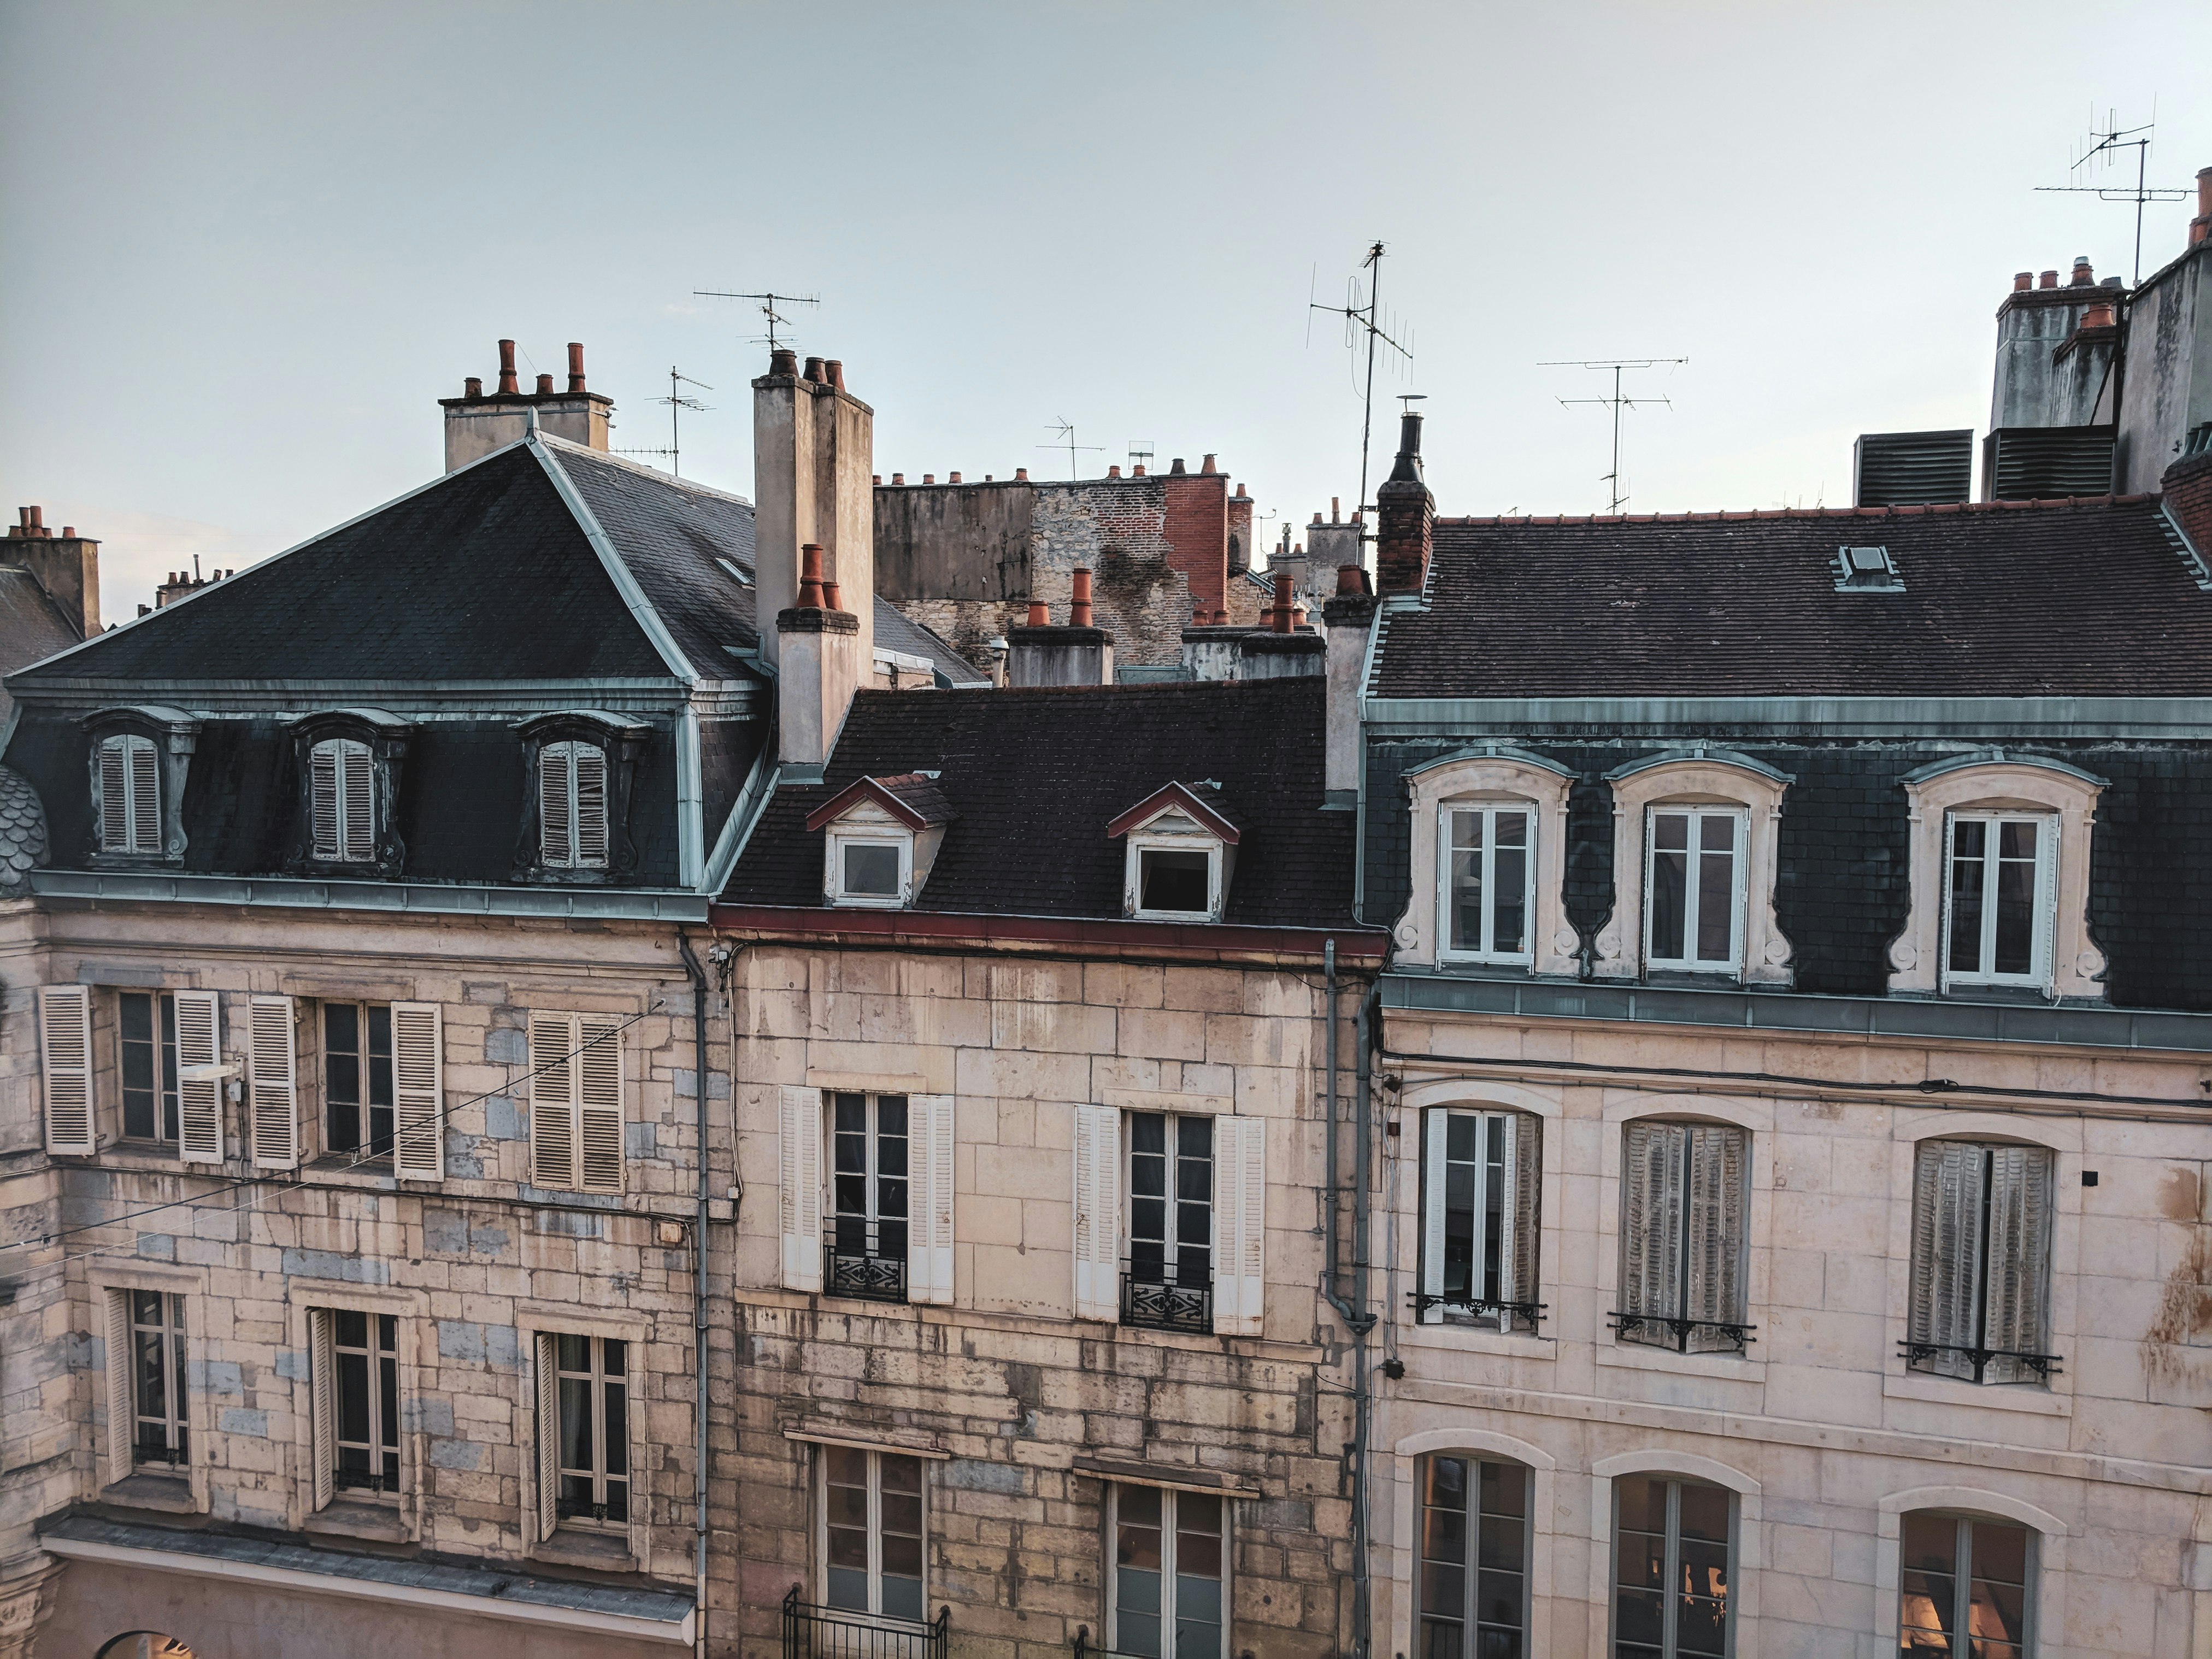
855 1261
817 1632
1515 1315
1661 1331
1085 1648
1152 1297
1919 1356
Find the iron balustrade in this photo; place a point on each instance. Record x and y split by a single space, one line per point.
857 1260
819 1632
1675 1334
1919 1356
1152 1297
1517 1316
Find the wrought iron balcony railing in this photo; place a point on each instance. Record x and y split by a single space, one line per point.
817 1632
1511 1316
865 1259
1156 1299
1922 1356
1660 1331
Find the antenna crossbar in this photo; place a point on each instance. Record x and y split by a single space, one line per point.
769 302
1617 401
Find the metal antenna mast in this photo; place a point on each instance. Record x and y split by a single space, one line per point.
2109 142
675 400
1358 317
769 302
1618 402
1065 440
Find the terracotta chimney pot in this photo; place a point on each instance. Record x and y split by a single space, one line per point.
575 365
1205 466
783 361
1138 470
929 477
1079 609
898 477
1279 617
2083 275
1021 475
1039 616
1348 581
546 385
507 384
1176 465
1220 618
814 370
472 387
952 478
2049 279
2022 281
1114 472
830 601
834 370
811 597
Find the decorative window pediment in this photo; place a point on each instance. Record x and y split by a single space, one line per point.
139 757
348 764
579 768
1181 851
1489 857
882 837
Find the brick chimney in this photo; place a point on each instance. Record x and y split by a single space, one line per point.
1405 516
2200 227
2187 485
65 567
476 424
1347 616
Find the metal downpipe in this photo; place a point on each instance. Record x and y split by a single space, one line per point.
699 1279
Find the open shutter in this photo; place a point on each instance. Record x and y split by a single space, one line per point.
600 1104
145 797
2018 1272
360 815
114 799
929 1234
65 1055
1719 1161
1437 1138
418 1083
1524 1167
552 1101
1240 1206
1947 1192
548 1438
2046 903
323 1402
199 1099
1651 1219
122 1414
323 799
799 1168
1098 1212
556 771
272 1059
591 767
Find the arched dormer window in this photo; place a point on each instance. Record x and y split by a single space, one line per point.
349 763
139 758
1490 862
579 768
572 805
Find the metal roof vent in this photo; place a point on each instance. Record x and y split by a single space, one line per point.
1867 570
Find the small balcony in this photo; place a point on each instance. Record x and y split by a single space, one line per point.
1663 1331
865 1259
1478 1310
1157 1297
1928 1356
817 1632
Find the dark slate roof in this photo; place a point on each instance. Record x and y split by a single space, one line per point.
895 631
2091 598
1036 775
31 626
23 833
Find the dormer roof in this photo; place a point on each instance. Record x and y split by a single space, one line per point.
1201 802
912 797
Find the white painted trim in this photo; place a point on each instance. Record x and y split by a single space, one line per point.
1686 1466
1487 1442
1764 953
618 572
1980 1499
860 1441
691 803
1490 780
1625 1105
1479 1094
482 1606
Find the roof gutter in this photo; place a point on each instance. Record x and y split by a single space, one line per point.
1100 936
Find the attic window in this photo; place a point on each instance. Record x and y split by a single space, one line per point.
1179 852
736 574
1867 570
881 837
1171 879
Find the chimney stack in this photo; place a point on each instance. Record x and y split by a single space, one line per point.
477 425
1407 516
65 567
1077 654
1347 616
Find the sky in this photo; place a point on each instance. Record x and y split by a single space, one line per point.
243 249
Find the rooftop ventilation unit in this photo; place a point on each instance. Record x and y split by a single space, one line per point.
1913 469
2045 463
1867 570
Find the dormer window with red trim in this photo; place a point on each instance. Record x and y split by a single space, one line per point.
881 837
1181 850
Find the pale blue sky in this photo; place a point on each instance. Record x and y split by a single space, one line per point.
247 247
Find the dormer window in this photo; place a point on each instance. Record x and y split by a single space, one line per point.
580 771
130 795
350 762
572 805
342 802
880 838
1179 852
139 758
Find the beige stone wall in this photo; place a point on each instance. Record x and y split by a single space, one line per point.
1822 1430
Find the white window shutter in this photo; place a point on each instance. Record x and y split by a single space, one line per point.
273 1070
65 1055
199 1100
1719 1167
1240 1209
600 1104
556 782
1097 1212
419 1086
552 1101
549 1438
114 802
2046 901
360 841
591 768
1435 1151
323 1402
145 796
799 1125
1651 1219
2019 1271
122 1410
323 799
1946 1230
1524 1205
929 1229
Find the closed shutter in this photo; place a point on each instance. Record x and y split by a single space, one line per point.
1098 1212
122 1411
418 1081
199 1099
556 782
1651 1219
114 796
548 1438
323 799
1435 1150
65 1056
1949 1191
599 1102
145 797
1524 1208
1240 1206
2047 900
799 1196
930 1120
591 765
272 1060
360 841
552 1101
323 1402
1719 1164
2019 1270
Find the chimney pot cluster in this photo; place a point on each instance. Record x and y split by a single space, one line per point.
506 382
31 522
1079 609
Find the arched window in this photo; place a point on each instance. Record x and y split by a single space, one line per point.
1474 1527
1674 1549
1489 862
342 802
1963 1581
1480 1182
129 794
572 805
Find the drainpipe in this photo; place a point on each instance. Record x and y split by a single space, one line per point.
1351 1309
699 1277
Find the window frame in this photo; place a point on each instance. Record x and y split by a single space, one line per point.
2049 847
1470 1598
836 840
572 857
1169 1286
1669 1573
1141 842
886 1278
175 1420
1638 1327
167 1104
172 734
345 845
873 1527
1489 808
1922 1272
387 738
1962 1577
381 1367
1520 1234
596 1380
1170 1529
364 1147
1695 853
622 742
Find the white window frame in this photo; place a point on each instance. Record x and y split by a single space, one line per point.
323 1326
874 1525
1490 774
172 1345
2049 845
1698 814
1141 843
1171 1243
350 843
1171 1500
836 841
573 851
871 1177
1489 810
595 1377
128 747
1508 1132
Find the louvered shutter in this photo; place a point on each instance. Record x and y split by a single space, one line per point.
1524 1169
1097 1212
1719 1162
600 1104
2046 901
2019 1269
1947 1195
65 1057
1434 1188
799 1197
930 1119
555 776
549 1438
115 803
552 1101
323 1402
145 796
1240 1203
418 1081
323 799
199 1100
122 1410
1651 1219
591 768
272 1062
360 839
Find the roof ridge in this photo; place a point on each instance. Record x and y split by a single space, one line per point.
653 473
1732 515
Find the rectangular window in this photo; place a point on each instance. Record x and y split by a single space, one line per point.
157 1380
147 1033
1684 1197
576 1102
572 806
1672 1568
1169 1282
869 1196
1174 883
871 1544
1489 876
1693 888
1168 1585
1998 908
594 1443
341 802
1479 1221
1981 1262
357 1077
1474 1559
129 796
1964 1584
365 1409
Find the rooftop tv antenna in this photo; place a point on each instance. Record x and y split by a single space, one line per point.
769 302
676 401
1140 452
2106 144
1360 318
1617 403
1065 440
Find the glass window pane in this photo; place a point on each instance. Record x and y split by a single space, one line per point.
353 1397
575 1424
615 1356
1509 926
351 1328
871 869
1717 900
1705 1512
2000 1553
903 1598
572 1353
1504 1489
1148 1134
1670 898
2016 931
1637 1618
1444 1588
1171 880
1643 1504
1965 953
615 1409
1700 1627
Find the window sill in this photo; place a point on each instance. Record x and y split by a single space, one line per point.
351 1163
361 1517
1976 1396
1475 1342
145 1490
1636 1356
572 1545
